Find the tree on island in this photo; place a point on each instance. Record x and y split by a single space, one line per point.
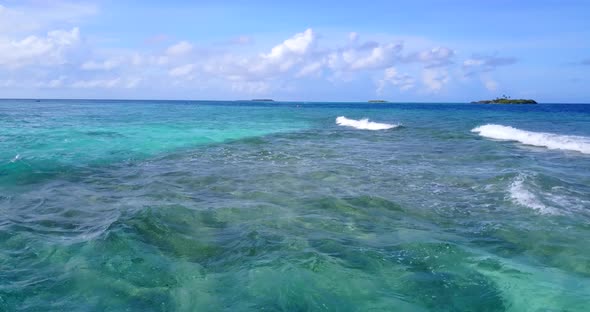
506 100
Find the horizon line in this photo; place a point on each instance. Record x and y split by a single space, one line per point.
269 101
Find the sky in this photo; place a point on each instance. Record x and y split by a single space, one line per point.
401 51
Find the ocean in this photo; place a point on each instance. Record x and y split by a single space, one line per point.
258 206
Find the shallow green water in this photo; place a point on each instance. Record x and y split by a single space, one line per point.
168 206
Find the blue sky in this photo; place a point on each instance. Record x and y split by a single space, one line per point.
415 51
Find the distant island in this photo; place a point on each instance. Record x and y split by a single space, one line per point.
506 100
262 100
378 101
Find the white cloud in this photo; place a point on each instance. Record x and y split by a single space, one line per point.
97 83
489 83
250 87
378 56
8 18
242 40
181 48
136 59
435 78
482 64
438 56
181 71
9 83
300 57
297 45
280 60
132 83
27 17
473 62
159 60
128 83
391 76
310 69
284 56
51 84
371 55
33 50
104 65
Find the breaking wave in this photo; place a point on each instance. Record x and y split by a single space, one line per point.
543 139
363 124
524 197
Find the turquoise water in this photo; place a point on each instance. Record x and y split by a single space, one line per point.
239 206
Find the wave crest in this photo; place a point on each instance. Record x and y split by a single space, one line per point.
543 139
363 124
524 197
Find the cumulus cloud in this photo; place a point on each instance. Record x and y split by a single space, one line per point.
132 82
182 71
180 48
297 45
435 79
391 76
33 50
51 84
25 17
104 65
157 39
285 55
390 64
250 87
8 83
111 83
280 59
435 57
371 55
242 40
481 64
300 57
310 69
490 84
98 83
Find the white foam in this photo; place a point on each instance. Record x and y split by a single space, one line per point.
16 158
520 195
549 140
363 124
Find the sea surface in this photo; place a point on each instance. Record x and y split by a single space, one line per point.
246 206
